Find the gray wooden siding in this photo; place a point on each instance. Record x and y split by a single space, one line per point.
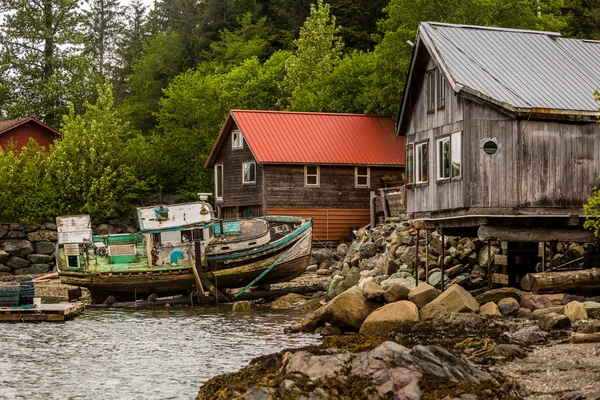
284 187
430 126
236 193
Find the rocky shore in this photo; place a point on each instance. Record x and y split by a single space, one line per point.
389 336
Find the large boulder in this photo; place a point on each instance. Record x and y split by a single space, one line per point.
350 279
45 247
387 318
401 278
508 306
423 294
33 269
347 310
321 255
491 309
396 293
43 236
496 295
528 335
551 310
3 230
17 263
454 300
592 308
367 250
5 268
575 310
435 279
373 291
551 321
40 258
536 302
315 366
18 247
4 256
482 254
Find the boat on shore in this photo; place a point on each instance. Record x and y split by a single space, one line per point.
179 249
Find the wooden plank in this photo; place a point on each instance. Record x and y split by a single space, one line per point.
500 259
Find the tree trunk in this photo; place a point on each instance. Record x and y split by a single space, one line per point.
584 337
582 282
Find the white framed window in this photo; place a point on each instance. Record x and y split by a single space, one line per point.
422 162
443 158
410 164
219 181
237 139
362 177
441 90
312 175
449 156
249 172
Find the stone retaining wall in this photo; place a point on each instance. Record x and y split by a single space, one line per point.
26 249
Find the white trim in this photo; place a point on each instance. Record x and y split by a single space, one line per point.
243 172
216 191
356 184
418 164
237 142
306 175
439 142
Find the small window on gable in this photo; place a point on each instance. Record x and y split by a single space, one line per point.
441 90
422 162
249 172
410 164
430 77
312 175
362 177
237 139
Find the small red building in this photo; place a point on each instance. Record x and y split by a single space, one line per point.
20 130
312 165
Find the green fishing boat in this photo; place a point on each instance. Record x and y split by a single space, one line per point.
179 249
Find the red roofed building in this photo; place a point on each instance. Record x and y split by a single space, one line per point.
318 165
20 130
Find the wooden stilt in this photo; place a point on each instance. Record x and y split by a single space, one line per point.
427 256
443 257
417 260
489 265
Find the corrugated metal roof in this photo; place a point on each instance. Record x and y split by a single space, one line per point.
519 69
317 138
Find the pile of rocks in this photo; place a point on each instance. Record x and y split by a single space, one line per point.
26 249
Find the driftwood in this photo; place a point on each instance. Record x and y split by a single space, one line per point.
582 282
44 278
197 299
584 337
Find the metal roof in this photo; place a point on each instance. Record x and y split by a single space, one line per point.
517 69
283 137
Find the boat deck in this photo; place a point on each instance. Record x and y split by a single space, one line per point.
44 313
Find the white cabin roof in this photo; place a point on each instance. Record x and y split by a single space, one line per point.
74 229
178 215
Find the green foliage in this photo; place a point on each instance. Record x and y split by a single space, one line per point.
582 19
27 194
319 51
90 166
40 44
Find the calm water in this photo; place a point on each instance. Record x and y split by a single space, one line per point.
145 354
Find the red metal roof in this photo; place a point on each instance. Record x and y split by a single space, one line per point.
8 124
283 137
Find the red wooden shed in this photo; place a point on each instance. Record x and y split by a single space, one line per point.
20 130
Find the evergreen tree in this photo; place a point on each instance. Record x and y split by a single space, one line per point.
41 47
103 26
319 51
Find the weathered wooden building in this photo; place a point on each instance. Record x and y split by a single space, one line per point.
313 165
501 132
20 130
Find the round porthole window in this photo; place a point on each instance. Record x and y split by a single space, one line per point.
490 147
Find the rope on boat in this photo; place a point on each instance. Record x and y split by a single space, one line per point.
267 270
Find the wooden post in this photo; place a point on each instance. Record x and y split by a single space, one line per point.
443 256
543 256
489 265
372 208
427 256
417 261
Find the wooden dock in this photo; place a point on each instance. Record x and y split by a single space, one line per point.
46 312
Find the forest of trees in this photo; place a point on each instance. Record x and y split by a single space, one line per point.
140 94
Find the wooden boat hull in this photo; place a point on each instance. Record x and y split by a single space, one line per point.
291 257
